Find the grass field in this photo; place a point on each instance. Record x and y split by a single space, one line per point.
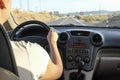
22 16
93 18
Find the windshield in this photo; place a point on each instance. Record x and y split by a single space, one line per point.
104 13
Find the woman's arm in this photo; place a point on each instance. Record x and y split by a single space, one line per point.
55 66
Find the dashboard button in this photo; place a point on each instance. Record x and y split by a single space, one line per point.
77 59
87 59
70 58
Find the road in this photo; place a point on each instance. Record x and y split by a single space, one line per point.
68 21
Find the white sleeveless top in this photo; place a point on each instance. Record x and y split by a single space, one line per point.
31 60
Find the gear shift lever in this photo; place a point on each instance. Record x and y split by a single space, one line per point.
80 67
78 75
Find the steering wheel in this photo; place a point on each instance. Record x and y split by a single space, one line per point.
31 31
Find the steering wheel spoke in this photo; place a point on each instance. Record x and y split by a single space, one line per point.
35 39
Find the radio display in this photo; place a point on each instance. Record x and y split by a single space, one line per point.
80 46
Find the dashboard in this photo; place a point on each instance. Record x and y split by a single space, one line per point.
97 47
92 52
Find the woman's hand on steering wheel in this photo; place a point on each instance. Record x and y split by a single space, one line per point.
52 36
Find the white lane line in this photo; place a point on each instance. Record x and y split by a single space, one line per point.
63 21
79 22
54 20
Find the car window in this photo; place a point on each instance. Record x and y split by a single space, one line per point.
77 12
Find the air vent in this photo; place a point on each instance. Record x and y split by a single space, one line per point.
96 40
63 37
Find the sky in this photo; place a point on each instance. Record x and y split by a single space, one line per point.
65 6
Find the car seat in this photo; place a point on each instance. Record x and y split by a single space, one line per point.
7 61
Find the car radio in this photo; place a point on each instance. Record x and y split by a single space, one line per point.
78 48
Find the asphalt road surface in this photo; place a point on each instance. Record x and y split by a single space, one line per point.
68 21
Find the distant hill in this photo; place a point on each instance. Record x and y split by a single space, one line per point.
93 12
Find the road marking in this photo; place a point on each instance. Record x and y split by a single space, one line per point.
79 22
63 21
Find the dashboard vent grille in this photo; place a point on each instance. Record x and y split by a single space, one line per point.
97 40
63 37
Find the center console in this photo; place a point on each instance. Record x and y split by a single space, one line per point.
78 48
79 53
